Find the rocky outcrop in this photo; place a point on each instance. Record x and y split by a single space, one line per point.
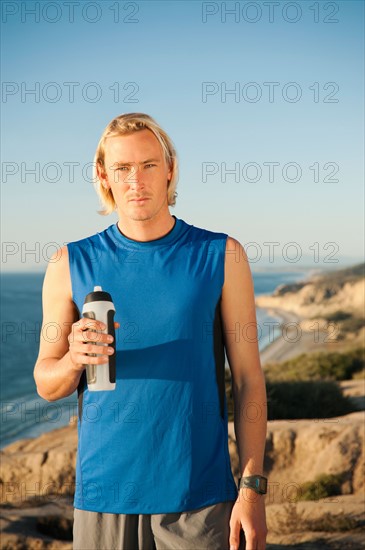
33 526
321 296
43 469
37 477
334 523
34 469
298 451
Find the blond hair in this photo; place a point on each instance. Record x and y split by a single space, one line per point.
124 125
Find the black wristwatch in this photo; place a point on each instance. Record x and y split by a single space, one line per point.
257 483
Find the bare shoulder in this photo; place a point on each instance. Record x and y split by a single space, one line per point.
234 244
239 314
236 265
238 300
57 278
59 310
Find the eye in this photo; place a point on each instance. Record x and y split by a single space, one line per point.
150 165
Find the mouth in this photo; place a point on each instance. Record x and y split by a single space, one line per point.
139 200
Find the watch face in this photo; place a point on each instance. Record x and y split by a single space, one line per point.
259 484
263 484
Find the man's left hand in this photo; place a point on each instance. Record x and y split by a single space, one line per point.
249 514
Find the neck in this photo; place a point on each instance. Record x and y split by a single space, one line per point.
146 229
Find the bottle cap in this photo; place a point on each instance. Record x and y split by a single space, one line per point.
98 295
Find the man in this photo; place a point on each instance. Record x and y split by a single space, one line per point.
153 468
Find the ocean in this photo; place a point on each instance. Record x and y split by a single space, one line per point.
23 413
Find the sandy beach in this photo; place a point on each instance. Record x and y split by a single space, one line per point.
293 339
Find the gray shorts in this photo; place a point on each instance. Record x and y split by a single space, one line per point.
202 529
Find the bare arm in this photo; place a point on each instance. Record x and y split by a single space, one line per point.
248 383
61 361
249 393
54 373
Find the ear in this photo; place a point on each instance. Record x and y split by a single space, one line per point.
103 178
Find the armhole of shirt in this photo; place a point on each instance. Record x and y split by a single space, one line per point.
70 258
223 261
219 348
82 381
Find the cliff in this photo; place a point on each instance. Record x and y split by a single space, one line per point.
323 295
325 313
37 479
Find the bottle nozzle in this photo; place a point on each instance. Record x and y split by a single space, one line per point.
97 288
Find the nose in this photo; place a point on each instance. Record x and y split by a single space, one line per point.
135 178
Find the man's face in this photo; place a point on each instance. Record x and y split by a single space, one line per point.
135 168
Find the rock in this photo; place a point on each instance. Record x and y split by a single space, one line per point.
42 527
318 299
37 481
334 523
57 527
37 468
300 450
43 469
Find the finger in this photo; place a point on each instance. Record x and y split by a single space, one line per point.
234 538
92 324
261 542
91 359
94 349
95 337
251 541
83 359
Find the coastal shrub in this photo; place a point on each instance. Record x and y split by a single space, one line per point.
353 324
318 366
292 520
324 485
346 322
306 399
334 522
337 316
303 399
360 375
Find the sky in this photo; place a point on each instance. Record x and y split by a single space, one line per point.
263 101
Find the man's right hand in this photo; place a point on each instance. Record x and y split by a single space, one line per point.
62 359
84 336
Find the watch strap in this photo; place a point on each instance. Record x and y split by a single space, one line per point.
257 483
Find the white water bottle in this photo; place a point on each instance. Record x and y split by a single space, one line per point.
99 305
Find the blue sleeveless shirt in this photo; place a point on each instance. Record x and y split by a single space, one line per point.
158 443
